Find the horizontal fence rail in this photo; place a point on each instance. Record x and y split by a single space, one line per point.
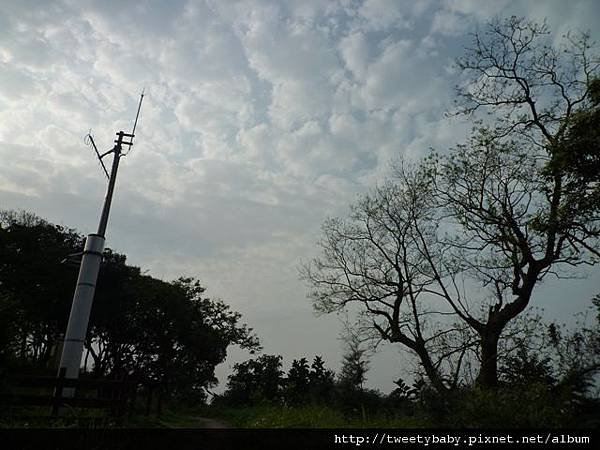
115 396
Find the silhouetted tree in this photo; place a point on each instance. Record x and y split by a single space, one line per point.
297 382
540 212
255 381
499 212
380 258
167 332
321 381
355 364
37 288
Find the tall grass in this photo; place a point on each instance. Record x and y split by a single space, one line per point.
309 416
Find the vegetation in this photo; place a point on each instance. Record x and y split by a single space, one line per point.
545 380
140 327
540 386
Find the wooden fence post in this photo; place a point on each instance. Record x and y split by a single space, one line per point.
160 402
132 398
150 388
58 391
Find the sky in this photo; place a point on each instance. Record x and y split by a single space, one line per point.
262 118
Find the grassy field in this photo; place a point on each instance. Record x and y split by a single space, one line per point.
477 412
305 417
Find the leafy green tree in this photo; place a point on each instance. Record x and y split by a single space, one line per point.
37 286
297 382
355 364
114 326
163 332
6 333
576 355
321 381
203 331
579 154
141 327
523 208
526 368
255 381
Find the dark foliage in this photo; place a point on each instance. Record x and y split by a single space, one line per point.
255 381
140 327
297 382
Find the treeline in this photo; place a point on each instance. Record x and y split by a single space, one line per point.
140 327
262 380
547 379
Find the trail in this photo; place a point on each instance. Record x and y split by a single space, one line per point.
208 422
197 422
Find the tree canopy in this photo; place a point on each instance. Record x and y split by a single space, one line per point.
140 326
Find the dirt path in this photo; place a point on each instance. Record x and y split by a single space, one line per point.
207 422
201 422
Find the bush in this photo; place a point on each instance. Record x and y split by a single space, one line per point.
523 406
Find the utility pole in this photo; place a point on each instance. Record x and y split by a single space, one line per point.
76 333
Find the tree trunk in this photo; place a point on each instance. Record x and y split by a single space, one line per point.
418 346
430 370
491 331
488 373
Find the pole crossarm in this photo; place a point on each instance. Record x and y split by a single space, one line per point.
89 138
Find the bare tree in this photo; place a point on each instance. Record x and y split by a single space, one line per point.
381 258
533 87
470 234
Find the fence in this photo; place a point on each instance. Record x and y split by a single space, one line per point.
117 397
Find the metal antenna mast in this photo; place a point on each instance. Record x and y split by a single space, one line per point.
72 351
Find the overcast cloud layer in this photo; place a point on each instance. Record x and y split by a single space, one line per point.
261 119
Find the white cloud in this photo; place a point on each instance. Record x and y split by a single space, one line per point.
355 51
384 14
481 10
449 23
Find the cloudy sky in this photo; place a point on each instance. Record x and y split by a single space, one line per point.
262 118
